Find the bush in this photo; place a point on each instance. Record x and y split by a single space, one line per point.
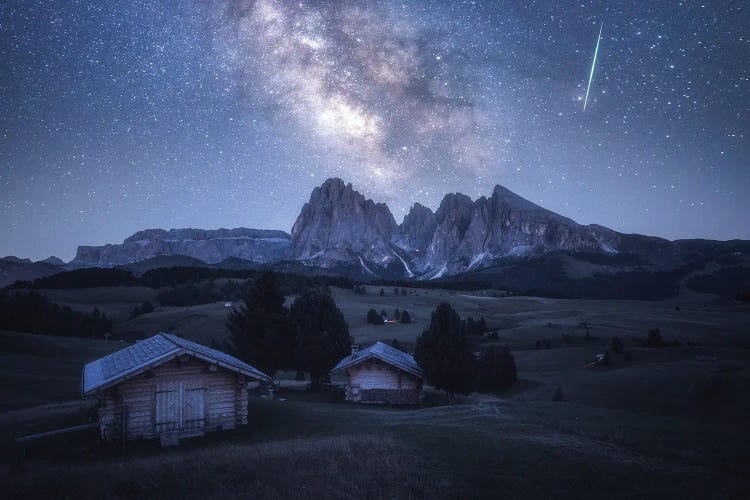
382 292
397 315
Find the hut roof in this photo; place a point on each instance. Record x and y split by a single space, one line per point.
144 355
385 353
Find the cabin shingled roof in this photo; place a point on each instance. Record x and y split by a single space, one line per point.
154 351
385 353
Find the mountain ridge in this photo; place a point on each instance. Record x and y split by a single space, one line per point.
340 231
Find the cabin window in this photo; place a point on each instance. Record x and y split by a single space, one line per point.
194 409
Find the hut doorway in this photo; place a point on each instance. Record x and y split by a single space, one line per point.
179 408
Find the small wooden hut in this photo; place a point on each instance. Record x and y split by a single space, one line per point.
381 374
166 386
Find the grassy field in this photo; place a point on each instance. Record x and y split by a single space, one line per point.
665 425
313 446
40 369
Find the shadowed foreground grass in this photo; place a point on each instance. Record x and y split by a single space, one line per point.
318 467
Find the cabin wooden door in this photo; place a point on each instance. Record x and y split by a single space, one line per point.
167 410
193 408
178 408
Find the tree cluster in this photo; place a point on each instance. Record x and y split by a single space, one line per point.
34 313
81 278
654 339
310 337
374 318
445 353
172 277
475 327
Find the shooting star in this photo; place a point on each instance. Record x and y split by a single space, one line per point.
593 65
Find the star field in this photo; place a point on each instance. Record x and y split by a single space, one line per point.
120 116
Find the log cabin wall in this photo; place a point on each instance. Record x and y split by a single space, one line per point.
187 395
374 381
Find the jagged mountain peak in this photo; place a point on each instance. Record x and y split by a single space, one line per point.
505 195
338 225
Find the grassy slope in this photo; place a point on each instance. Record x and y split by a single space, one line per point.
42 369
312 447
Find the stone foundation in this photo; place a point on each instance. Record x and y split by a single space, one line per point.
391 396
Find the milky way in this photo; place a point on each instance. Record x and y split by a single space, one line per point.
388 97
120 116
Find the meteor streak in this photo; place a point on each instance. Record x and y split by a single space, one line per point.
593 65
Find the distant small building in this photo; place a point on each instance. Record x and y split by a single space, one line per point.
166 385
381 374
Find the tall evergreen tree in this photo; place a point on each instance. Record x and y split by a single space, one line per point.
374 318
497 369
322 335
444 352
405 316
259 329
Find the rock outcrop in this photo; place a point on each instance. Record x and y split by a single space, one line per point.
338 226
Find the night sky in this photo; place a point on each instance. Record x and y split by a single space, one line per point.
117 116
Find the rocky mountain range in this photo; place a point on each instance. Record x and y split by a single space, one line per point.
339 227
501 239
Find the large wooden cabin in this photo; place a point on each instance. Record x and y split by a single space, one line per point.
381 374
168 386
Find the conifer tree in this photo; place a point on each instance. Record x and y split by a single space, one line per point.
444 352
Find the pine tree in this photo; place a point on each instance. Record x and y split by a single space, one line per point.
444 352
497 369
259 329
321 335
373 317
397 315
405 316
